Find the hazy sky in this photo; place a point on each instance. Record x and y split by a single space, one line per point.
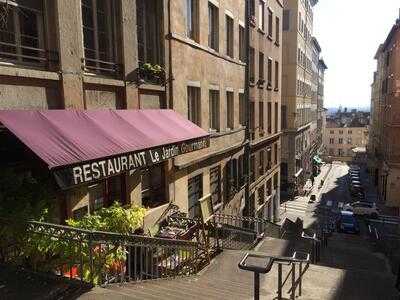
349 32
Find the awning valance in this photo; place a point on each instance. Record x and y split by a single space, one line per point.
81 146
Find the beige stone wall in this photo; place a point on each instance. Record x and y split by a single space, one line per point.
358 135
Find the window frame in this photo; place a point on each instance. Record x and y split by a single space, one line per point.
214 111
213 27
193 32
194 115
230 36
230 113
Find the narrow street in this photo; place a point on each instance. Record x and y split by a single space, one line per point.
364 273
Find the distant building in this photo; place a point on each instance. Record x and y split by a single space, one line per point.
340 142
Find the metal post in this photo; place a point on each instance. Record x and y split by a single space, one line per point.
279 281
256 286
300 277
293 296
90 258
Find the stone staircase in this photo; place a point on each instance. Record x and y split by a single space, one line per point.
347 271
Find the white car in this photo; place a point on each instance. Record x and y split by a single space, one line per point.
362 208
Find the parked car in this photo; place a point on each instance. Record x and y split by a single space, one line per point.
355 182
363 208
359 196
356 189
354 172
347 223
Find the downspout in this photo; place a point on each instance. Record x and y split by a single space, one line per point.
170 76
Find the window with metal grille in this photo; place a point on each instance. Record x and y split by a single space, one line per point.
149 31
99 35
22 32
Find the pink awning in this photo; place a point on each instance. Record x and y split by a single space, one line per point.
69 137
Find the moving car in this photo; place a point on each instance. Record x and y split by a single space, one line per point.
363 208
347 223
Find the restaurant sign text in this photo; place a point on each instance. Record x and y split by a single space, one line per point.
95 170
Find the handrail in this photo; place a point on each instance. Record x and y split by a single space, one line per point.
280 261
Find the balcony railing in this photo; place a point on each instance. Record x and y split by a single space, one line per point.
97 257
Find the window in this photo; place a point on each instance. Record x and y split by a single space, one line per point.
195 193
194 105
99 35
340 131
269 73
276 117
270 23
232 178
229 36
213 27
269 116
269 159
242 44
286 20
261 117
284 117
241 171
261 67
331 151
252 169
192 19
261 195
215 188
277 31
153 186
331 141
261 162
21 35
261 15
252 7
340 152
252 119
331 132
214 110
252 65
275 154
106 192
229 110
276 76
340 141
149 29
349 140
350 132
242 110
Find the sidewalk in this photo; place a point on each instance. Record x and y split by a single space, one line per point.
303 201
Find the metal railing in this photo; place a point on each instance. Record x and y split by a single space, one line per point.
98 257
266 266
261 227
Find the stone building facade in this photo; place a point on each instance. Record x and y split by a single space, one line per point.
384 147
340 142
265 106
297 77
186 55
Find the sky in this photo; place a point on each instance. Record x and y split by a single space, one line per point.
349 32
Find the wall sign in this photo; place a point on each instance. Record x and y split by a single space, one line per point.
87 172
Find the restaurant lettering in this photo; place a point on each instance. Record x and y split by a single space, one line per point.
96 170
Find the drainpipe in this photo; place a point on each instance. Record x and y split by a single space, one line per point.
247 101
170 73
